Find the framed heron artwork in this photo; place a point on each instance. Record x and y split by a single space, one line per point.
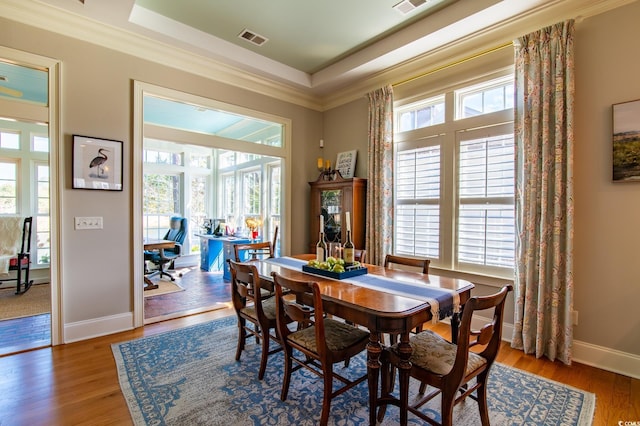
97 163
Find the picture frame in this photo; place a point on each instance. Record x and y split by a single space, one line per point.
346 163
97 163
626 141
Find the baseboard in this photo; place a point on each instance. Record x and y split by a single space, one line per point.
589 354
97 327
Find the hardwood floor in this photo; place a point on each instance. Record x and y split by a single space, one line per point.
77 383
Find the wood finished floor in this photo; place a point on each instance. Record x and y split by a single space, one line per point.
77 383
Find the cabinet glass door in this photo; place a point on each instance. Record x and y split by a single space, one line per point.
330 204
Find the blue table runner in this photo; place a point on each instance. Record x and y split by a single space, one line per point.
443 302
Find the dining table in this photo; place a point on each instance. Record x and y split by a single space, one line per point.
385 301
155 245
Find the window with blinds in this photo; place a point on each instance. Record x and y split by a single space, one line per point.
486 221
418 202
454 179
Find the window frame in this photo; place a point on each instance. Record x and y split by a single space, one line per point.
447 134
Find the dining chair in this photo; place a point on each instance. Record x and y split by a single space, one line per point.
321 341
253 251
259 311
421 264
360 255
449 367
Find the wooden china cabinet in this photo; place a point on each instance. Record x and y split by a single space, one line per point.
333 196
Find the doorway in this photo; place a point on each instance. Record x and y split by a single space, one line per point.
218 161
28 188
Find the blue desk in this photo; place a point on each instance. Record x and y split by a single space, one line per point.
214 252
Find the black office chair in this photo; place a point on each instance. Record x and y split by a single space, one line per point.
165 258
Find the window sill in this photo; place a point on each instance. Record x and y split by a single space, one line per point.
474 278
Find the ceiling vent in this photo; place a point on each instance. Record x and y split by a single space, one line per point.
407 6
254 38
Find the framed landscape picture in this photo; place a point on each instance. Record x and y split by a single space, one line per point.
626 141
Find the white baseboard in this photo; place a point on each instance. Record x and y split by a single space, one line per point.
97 327
586 353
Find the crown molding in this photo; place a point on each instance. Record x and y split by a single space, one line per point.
52 19
459 50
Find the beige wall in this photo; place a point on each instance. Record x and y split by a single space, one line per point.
607 224
96 99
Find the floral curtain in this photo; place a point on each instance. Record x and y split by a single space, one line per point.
380 178
544 192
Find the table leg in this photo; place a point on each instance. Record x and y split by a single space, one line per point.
404 367
149 284
455 324
374 349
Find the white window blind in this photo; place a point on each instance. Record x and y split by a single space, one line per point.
418 202
486 218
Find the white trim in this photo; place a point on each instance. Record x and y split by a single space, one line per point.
139 132
52 115
96 327
596 356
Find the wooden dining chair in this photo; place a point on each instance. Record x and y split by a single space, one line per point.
449 367
259 311
253 251
421 264
360 255
318 338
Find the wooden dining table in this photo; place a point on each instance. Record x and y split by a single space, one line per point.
379 311
155 245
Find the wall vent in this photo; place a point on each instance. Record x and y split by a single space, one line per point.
253 37
407 6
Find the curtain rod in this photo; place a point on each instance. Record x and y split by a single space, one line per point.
461 61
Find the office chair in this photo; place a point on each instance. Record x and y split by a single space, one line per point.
163 257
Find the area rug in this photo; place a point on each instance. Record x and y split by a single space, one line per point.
36 301
189 376
164 287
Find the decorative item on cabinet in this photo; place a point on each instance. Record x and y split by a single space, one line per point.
332 199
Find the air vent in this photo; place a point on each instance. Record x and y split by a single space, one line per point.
254 38
407 6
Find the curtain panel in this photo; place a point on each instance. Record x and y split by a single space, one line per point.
544 113
379 228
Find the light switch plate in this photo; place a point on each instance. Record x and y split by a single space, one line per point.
94 222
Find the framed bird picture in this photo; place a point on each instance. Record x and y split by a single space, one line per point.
97 163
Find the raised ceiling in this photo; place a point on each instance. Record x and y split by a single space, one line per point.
305 35
315 49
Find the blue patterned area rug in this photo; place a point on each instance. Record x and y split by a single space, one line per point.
190 377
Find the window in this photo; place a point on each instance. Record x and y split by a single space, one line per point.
454 180
486 217
9 140
421 114
24 181
251 191
161 201
43 225
8 187
251 186
483 98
